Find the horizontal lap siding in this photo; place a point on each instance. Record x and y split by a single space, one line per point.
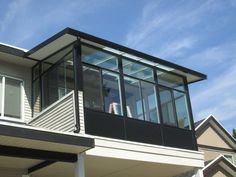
59 117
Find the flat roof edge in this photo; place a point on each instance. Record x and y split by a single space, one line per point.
117 47
12 50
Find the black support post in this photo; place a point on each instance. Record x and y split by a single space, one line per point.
78 79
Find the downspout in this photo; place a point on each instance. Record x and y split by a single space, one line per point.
77 81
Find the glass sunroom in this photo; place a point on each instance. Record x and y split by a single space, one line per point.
127 94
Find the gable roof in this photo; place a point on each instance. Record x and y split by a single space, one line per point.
223 163
202 125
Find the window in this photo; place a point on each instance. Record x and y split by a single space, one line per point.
229 157
92 88
102 90
133 98
10 97
141 100
111 93
137 70
181 109
53 78
167 107
99 58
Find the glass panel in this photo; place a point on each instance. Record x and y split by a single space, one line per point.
92 88
182 110
12 98
133 98
36 97
137 70
229 158
167 107
170 80
50 61
57 81
99 58
0 95
111 93
150 102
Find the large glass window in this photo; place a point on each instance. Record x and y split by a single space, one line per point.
141 100
149 102
92 82
56 83
102 90
99 58
10 97
137 70
133 98
170 80
181 109
167 107
111 93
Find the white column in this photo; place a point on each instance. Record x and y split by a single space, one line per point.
79 166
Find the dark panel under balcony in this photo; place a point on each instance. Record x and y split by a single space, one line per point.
179 138
145 132
104 124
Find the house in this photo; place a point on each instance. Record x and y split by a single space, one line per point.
77 105
219 148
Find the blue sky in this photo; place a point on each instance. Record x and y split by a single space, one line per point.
198 34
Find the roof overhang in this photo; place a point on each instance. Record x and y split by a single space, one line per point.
12 54
68 36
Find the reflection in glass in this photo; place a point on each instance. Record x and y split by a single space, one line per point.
12 102
137 70
133 98
181 109
99 58
167 107
57 81
149 102
111 93
92 82
170 80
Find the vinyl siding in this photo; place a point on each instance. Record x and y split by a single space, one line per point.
81 112
59 116
24 74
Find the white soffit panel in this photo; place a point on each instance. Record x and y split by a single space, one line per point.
53 46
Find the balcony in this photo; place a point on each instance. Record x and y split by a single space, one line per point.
91 86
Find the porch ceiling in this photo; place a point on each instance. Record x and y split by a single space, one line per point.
111 167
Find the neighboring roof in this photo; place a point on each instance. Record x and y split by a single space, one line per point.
198 123
68 36
13 50
202 125
223 163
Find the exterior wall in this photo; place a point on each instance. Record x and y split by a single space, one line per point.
218 172
59 116
210 138
210 154
23 73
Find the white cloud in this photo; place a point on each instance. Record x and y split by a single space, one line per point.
153 23
25 19
217 97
